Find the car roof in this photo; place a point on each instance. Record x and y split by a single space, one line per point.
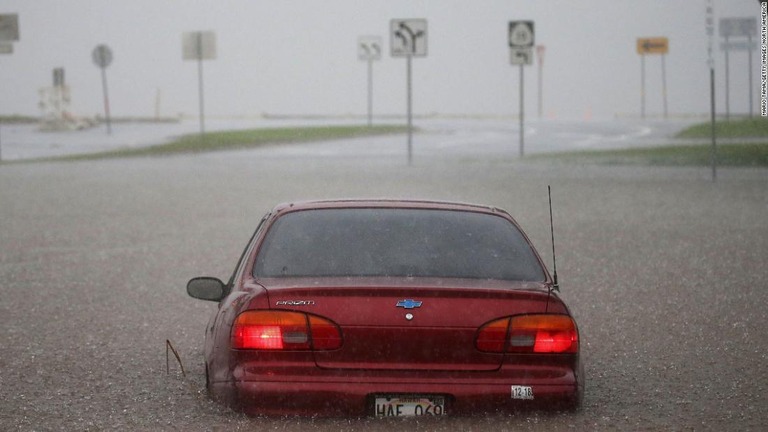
385 203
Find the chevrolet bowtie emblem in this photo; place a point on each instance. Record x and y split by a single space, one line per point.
408 304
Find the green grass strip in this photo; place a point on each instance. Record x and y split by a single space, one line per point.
736 128
734 155
238 139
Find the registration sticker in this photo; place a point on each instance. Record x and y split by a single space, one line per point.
409 406
522 392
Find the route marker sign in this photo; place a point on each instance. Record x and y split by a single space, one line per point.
521 42
521 39
521 34
652 45
408 37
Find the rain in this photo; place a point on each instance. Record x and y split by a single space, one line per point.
662 267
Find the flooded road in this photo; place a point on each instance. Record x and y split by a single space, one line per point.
663 269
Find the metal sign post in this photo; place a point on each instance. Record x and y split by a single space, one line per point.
408 38
642 86
199 46
521 38
200 91
409 80
664 82
540 56
710 26
369 50
763 37
102 57
522 114
727 83
9 32
749 68
653 45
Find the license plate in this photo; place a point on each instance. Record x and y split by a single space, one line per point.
522 392
409 406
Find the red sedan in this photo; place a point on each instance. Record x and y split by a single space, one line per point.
389 308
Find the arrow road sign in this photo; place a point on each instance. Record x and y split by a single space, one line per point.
521 34
521 56
408 37
369 48
655 45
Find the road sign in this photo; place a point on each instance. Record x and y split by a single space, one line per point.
58 77
653 45
521 41
198 45
6 48
369 48
521 34
408 37
102 56
9 27
521 56
738 46
738 27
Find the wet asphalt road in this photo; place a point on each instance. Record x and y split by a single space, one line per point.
665 271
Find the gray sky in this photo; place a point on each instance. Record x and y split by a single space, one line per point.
299 56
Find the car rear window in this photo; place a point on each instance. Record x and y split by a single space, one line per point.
396 242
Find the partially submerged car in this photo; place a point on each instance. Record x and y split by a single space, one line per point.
389 308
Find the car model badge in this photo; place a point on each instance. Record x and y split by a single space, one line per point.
295 303
408 304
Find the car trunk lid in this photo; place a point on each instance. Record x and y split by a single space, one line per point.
408 323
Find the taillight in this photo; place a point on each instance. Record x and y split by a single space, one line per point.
283 330
325 334
544 333
493 336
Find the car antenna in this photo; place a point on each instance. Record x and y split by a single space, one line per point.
555 285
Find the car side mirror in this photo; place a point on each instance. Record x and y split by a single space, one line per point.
206 288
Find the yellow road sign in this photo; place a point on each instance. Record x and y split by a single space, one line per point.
652 45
